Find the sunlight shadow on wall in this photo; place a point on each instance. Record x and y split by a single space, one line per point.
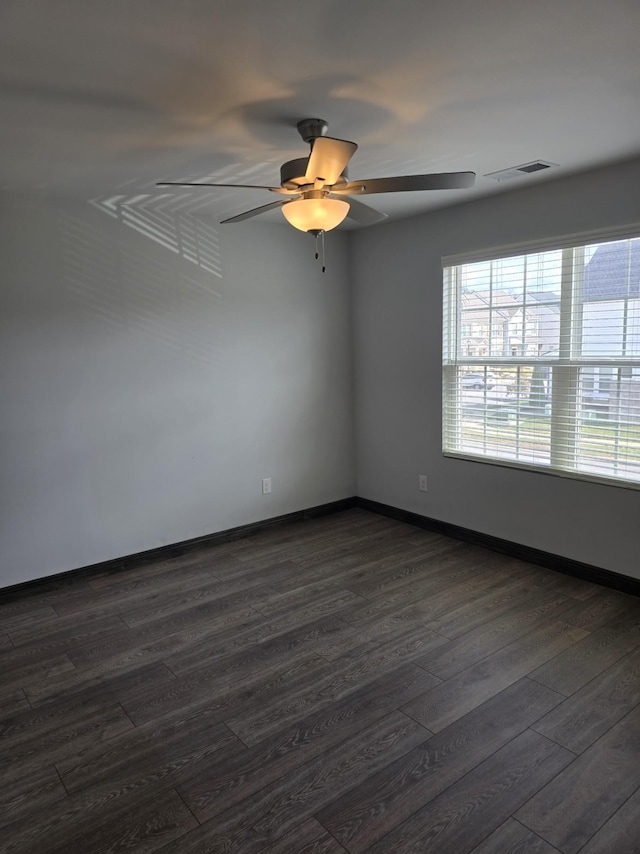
91 270
170 221
146 294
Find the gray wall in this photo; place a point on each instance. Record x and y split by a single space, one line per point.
144 392
398 345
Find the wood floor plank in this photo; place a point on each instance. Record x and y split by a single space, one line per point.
367 634
575 667
447 702
17 600
144 825
513 838
118 779
439 561
18 672
225 593
119 687
281 574
571 808
429 579
37 723
583 718
118 649
39 640
28 792
248 696
308 838
602 608
155 703
275 810
486 607
202 621
224 668
377 545
308 607
146 829
235 777
13 620
223 609
209 559
85 728
333 553
481 642
388 570
621 834
458 819
140 593
269 635
344 564
507 569
146 755
434 599
366 813
313 534
12 700
349 672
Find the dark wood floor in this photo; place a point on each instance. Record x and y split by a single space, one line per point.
349 683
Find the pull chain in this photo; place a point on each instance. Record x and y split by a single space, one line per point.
320 237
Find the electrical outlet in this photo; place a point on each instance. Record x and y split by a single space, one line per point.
422 483
266 485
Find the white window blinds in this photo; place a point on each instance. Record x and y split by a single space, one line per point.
541 362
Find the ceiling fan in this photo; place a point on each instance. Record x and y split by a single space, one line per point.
316 186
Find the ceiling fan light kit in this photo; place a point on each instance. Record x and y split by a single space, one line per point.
317 183
315 212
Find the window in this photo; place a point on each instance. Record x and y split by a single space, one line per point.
541 364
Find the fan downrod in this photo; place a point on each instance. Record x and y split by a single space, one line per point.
310 129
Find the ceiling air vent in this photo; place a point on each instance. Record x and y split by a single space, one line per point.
519 171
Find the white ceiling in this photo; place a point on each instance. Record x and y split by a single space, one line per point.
104 97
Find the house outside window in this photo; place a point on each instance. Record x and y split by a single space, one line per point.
554 337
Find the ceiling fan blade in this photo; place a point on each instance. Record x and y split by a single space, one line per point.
328 159
241 186
254 212
406 183
363 214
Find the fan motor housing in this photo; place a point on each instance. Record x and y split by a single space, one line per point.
292 174
310 129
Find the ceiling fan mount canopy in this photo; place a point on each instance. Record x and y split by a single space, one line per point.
321 179
310 129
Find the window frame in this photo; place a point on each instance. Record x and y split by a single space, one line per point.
565 406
